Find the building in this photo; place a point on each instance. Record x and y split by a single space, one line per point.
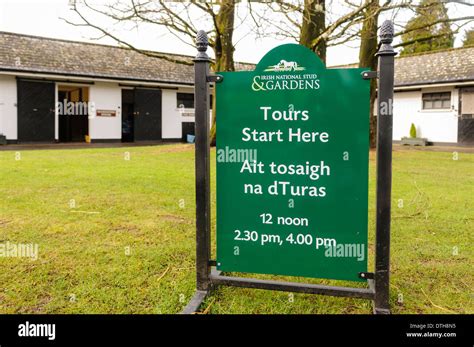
57 90
435 91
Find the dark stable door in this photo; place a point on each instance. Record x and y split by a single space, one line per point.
35 111
466 121
466 130
147 119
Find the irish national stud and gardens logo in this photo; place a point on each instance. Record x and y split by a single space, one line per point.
284 75
284 65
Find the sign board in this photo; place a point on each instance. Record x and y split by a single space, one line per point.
106 113
292 168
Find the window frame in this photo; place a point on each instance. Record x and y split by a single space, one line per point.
435 97
211 101
178 94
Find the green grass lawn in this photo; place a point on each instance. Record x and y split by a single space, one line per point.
128 244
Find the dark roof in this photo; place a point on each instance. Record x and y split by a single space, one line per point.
450 65
25 53
62 57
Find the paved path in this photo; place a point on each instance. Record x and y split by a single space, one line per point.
80 145
459 149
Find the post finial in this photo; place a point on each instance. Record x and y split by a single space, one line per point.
386 32
201 44
386 37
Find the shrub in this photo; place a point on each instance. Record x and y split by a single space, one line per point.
412 131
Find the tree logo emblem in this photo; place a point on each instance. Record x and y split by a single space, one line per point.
284 65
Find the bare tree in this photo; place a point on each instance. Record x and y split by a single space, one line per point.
313 25
316 24
367 51
181 19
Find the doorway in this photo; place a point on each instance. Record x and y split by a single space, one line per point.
466 119
127 115
187 128
141 114
73 118
35 111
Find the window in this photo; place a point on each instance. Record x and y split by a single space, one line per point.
185 99
436 101
467 102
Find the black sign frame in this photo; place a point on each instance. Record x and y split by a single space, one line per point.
207 277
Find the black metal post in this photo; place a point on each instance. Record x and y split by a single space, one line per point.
386 60
202 120
202 169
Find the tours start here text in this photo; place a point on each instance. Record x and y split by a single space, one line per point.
293 134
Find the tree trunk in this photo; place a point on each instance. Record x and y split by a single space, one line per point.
367 59
223 48
313 25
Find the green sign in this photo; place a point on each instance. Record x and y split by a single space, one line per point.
292 168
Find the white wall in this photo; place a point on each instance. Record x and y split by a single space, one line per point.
106 96
435 125
171 115
8 108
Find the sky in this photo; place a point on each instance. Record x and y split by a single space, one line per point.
43 18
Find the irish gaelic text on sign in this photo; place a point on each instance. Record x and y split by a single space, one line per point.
292 168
